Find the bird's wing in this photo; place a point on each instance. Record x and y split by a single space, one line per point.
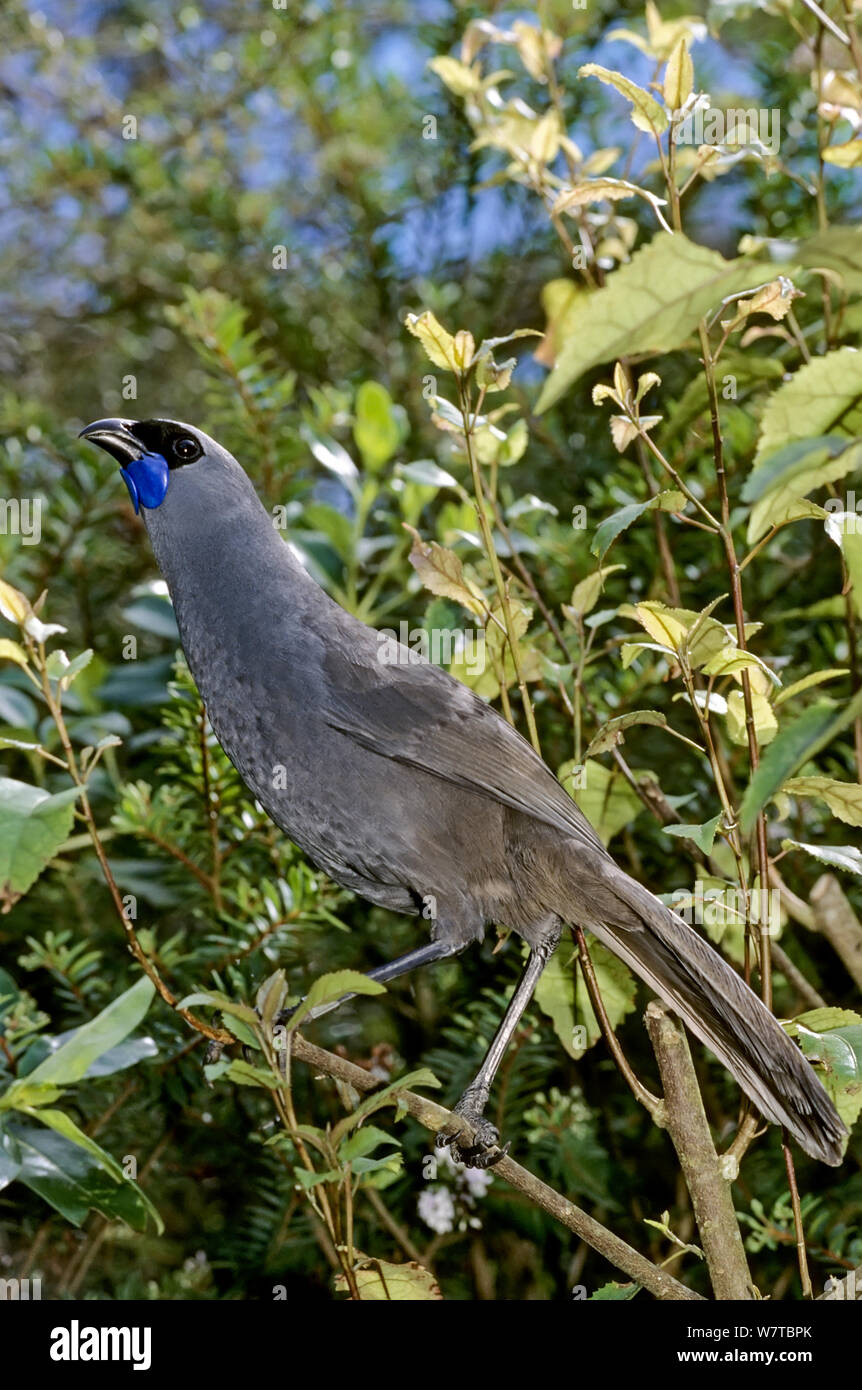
418 714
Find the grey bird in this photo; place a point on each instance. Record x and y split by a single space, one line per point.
408 789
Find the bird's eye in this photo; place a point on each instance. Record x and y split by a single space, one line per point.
186 449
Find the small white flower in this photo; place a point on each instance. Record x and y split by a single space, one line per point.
437 1209
476 1180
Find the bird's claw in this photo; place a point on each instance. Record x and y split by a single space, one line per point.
482 1150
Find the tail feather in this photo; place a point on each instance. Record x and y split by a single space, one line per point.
720 1009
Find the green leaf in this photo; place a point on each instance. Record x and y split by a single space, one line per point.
562 994
65 1125
603 795
835 248
703 835
792 472
585 594
652 304
793 745
309 1180
607 531
387 1096
363 1142
813 678
611 733
74 1059
817 397
376 429
220 1001
615 1293
33 826
555 996
76 666
839 1052
244 1074
332 986
126 1054
846 857
788 462
70 1179
442 573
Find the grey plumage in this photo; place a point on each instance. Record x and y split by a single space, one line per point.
406 788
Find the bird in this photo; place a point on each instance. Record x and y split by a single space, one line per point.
411 791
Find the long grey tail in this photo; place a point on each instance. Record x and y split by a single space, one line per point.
719 1008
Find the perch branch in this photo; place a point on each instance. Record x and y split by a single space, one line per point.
434 1117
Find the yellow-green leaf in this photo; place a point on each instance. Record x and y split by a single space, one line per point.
844 799
678 78
646 113
439 345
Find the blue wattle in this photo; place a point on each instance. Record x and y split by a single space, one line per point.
147 480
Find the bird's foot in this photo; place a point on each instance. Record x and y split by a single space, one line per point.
479 1149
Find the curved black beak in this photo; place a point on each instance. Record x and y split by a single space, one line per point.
116 438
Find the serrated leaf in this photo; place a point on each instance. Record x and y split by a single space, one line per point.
646 113
439 344
817 397
846 857
442 573
611 733
779 486
613 526
652 304
844 799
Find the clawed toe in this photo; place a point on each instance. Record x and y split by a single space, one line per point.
482 1150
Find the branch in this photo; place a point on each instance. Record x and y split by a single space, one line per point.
434 1117
685 1120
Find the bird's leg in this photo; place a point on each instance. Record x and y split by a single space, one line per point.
411 960
483 1150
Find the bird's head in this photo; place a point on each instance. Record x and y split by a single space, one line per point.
151 452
